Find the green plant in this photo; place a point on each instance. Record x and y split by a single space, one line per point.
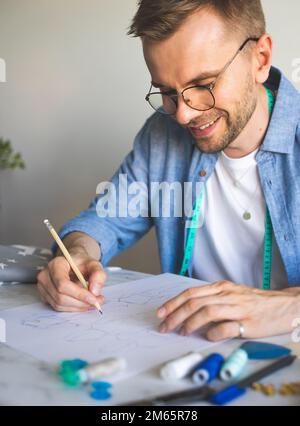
8 158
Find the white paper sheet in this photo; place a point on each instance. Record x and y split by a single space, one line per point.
128 327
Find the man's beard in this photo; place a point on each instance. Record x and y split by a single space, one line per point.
235 124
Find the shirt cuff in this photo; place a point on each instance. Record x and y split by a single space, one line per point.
102 234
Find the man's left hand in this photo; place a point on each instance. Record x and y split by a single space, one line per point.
226 306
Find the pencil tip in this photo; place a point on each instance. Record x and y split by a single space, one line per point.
98 307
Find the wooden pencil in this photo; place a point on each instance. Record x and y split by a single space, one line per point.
69 259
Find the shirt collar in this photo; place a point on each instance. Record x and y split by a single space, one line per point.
282 129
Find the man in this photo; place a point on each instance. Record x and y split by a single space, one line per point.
225 119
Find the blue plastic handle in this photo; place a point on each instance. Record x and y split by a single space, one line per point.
227 395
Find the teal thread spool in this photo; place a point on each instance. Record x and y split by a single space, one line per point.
68 371
234 365
72 364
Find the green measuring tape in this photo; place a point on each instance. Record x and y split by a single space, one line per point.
188 253
268 223
268 241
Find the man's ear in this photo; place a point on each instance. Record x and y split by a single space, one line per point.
263 58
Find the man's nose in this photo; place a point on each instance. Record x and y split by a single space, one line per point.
185 114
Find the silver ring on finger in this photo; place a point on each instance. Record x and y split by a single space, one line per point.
241 330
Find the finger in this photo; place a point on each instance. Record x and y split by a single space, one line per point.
42 293
171 305
223 331
61 281
49 300
252 330
74 291
96 277
62 304
209 314
202 291
176 318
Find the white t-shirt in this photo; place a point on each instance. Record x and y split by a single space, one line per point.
228 247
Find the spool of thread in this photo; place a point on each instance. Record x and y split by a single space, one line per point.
181 367
72 364
105 368
208 369
91 372
234 365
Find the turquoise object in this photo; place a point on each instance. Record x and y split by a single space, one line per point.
261 350
72 364
70 377
234 365
79 363
68 371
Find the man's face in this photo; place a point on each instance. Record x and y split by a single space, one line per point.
201 47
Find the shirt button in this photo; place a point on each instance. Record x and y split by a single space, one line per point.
202 173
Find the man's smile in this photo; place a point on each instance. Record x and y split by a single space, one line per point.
206 129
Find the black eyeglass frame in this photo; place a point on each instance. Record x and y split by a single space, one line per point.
210 87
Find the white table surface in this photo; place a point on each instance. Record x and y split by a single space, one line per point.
27 381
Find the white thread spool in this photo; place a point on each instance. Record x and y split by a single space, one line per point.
234 365
102 369
180 367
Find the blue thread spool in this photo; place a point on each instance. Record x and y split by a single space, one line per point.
234 365
208 369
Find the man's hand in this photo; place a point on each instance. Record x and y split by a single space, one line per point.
225 305
59 287
57 284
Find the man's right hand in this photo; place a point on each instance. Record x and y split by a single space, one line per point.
59 287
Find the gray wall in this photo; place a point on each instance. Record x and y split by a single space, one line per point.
73 102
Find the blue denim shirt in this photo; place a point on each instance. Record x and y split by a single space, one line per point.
164 151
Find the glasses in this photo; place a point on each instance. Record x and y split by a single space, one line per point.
200 98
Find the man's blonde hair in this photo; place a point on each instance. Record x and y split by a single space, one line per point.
159 19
